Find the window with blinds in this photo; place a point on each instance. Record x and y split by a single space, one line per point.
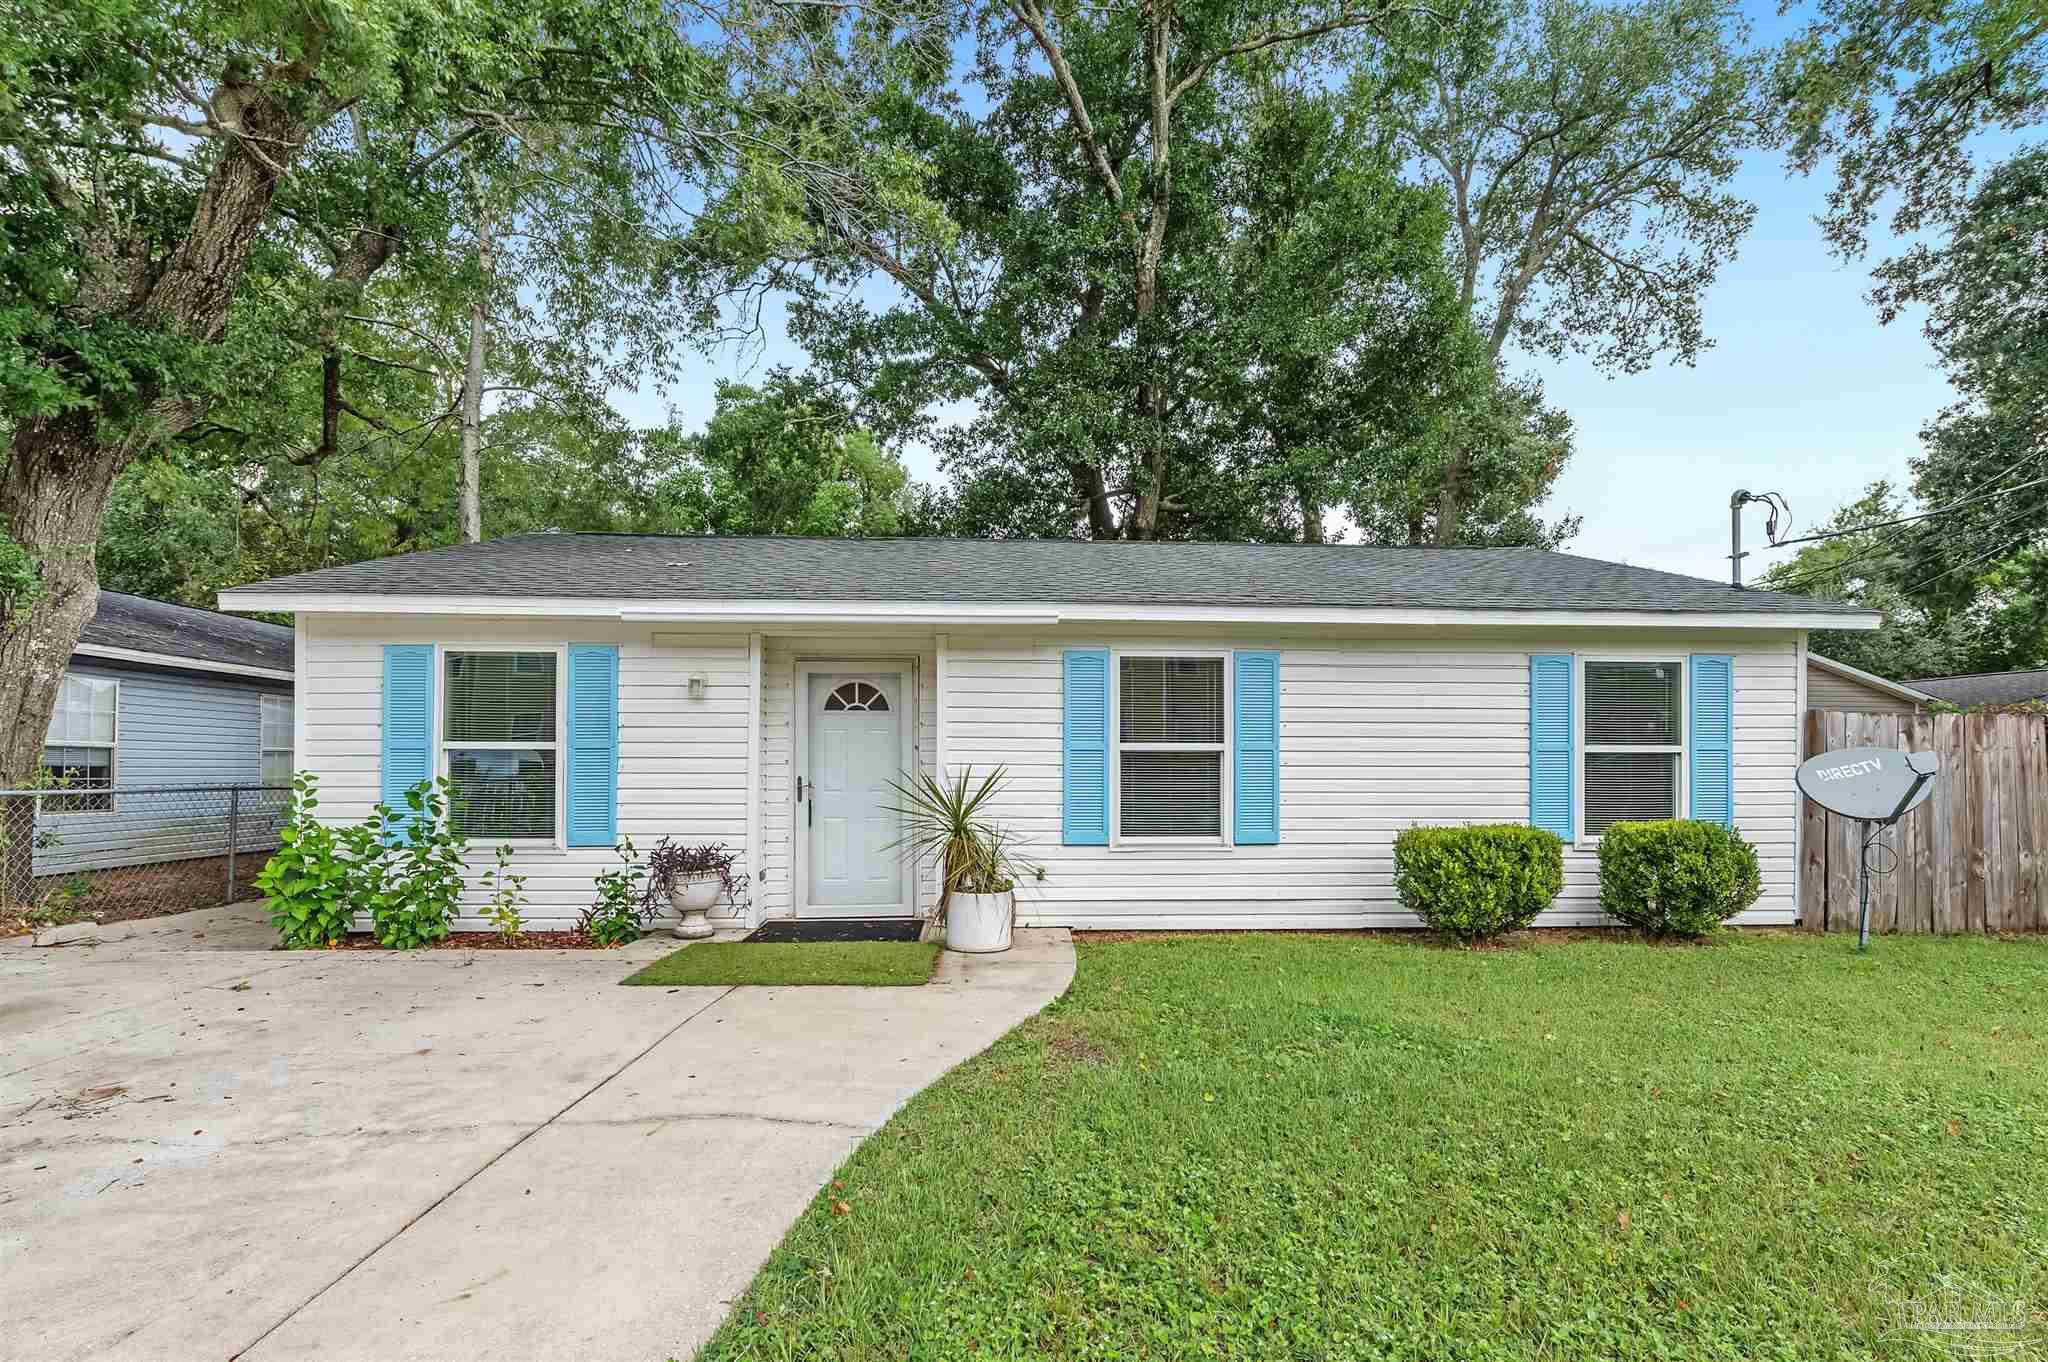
1170 746
275 738
499 743
78 752
1634 730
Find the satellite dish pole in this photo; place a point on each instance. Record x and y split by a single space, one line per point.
1876 786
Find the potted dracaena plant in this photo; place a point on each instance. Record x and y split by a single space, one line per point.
687 880
976 859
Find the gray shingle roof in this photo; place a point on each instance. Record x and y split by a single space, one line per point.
147 626
769 568
1985 688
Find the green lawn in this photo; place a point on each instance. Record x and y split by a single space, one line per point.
1345 1147
811 962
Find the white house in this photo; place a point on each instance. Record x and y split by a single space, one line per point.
1196 735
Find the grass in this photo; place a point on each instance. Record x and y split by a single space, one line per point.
721 963
1296 1147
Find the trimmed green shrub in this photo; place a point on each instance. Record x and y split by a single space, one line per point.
1676 876
1478 882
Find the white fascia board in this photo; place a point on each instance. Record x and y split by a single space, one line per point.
178 660
1870 679
1018 612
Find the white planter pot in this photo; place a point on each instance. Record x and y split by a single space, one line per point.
691 899
980 923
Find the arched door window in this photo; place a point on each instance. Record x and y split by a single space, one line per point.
856 695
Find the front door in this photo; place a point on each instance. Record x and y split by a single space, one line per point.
854 751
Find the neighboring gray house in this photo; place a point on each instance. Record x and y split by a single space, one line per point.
161 695
1987 688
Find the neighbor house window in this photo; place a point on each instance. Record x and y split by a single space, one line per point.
78 752
1170 740
276 739
498 743
1634 733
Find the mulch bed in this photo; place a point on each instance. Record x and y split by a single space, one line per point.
486 941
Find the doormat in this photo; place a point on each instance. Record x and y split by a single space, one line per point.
838 929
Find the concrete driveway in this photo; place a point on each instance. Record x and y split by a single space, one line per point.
211 1151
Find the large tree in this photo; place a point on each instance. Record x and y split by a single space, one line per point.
190 202
1176 285
1585 150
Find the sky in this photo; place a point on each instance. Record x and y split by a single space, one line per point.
1802 393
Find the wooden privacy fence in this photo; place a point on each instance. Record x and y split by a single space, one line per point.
1973 858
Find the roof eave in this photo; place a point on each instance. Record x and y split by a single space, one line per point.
1014 612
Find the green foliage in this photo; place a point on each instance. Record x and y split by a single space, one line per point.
621 912
507 896
1478 882
422 880
21 586
1676 876
404 872
173 532
1268 1146
307 886
947 825
785 458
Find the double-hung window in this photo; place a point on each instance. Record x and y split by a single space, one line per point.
1634 726
1171 738
500 749
274 738
78 751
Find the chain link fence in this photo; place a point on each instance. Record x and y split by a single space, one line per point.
118 852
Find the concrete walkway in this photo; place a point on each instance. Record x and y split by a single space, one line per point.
212 1152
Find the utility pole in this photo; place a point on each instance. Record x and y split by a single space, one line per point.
1740 499
1735 554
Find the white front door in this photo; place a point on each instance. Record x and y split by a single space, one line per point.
854 750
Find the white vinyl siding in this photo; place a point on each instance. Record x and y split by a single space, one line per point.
682 760
1376 735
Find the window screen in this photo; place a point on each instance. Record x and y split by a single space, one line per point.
498 731
1170 738
1634 730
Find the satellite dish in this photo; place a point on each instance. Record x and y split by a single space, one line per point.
1874 784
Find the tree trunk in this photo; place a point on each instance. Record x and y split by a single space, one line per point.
468 492
61 469
468 497
1144 519
1450 499
1311 516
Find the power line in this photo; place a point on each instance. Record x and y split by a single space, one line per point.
1801 581
1908 519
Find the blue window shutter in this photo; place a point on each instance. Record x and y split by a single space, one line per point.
1710 756
1550 742
1084 788
593 745
408 724
1255 731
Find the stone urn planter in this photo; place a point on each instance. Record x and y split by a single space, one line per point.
691 900
980 923
687 880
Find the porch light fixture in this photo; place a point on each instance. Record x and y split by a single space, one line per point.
698 683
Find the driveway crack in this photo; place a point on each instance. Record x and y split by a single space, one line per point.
475 1173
